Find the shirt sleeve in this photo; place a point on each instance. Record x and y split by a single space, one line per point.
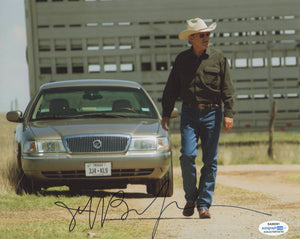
227 92
170 94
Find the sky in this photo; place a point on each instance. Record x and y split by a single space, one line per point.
14 83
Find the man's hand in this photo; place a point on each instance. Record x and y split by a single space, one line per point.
227 124
165 123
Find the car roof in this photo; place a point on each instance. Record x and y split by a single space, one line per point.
91 82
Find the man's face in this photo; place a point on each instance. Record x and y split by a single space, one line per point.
200 40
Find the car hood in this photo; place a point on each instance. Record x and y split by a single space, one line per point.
58 128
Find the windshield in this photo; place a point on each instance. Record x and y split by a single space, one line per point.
86 102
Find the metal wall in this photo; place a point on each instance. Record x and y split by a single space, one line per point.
138 40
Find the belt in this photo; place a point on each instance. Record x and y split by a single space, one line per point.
204 106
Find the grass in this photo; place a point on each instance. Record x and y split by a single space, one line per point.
262 137
6 156
250 137
294 178
45 229
250 148
238 196
257 154
37 216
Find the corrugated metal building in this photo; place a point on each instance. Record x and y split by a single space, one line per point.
138 40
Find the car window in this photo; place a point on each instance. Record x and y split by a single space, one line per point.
93 102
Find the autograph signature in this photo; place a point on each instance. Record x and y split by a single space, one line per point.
117 200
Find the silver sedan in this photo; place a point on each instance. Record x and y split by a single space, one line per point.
92 134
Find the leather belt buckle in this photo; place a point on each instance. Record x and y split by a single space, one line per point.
206 106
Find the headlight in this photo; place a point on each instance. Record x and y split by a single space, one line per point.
149 144
44 146
162 144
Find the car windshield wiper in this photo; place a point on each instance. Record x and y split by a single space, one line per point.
77 116
53 117
99 115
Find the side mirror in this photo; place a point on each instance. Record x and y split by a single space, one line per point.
174 113
15 116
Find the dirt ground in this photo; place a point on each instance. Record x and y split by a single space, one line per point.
277 199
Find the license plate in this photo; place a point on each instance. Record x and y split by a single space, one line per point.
97 169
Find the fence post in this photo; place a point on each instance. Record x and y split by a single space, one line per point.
271 130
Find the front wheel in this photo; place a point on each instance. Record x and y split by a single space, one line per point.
163 187
22 183
26 185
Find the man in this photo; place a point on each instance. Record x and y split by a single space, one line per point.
200 77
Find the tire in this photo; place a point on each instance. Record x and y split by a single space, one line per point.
77 189
163 187
24 184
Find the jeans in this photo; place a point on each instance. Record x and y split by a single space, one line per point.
204 124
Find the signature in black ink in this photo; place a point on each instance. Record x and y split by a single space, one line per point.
117 200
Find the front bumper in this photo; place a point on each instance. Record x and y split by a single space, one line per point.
67 169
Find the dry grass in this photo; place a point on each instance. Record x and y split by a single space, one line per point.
250 148
8 173
285 153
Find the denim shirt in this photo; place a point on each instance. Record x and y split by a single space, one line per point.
199 80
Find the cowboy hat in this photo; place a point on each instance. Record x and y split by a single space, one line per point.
194 26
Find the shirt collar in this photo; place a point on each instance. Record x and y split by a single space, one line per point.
204 55
208 51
